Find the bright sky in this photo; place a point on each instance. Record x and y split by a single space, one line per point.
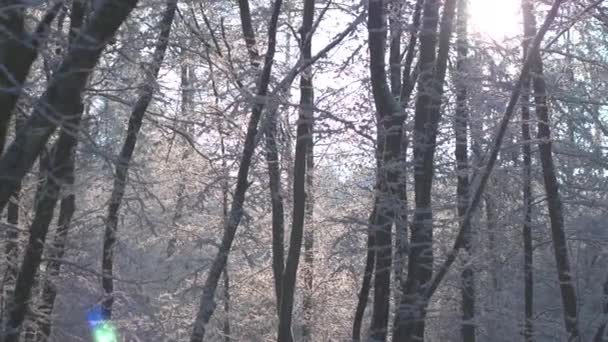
496 19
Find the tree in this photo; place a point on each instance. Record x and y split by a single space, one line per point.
554 202
63 93
126 153
461 155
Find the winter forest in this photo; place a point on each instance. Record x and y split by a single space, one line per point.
303 170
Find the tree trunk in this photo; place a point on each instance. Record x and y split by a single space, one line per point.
409 321
272 161
20 50
58 174
126 153
17 63
66 211
395 10
300 196
462 169
481 179
401 222
62 94
600 334
207 304
400 93
527 195
390 119
409 75
186 104
370 261
56 253
226 325
12 34
12 244
309 245
554 202
276 198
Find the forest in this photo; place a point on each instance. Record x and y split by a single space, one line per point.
303 170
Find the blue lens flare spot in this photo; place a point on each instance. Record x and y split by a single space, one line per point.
103 330
95 316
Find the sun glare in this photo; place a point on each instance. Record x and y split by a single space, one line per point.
495 19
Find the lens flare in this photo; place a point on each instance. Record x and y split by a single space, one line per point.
104 332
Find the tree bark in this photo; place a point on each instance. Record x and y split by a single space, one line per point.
409 321
57 176
126 153
12 34
207 304
56 253
19 51
390 119
63 92
17 61
370 261
401 93
554 203
527 193
226 325
276 198
248 32
481 179
396 31
309 244
12 244
67 207
600 334
462 169
272 161
301 160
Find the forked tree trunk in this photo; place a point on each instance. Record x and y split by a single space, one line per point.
554 203
410 319
126 153
390 127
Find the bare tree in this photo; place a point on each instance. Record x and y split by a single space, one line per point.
300 196
409 321
462 169
527 193
67 208
62 94
207 305
554 202
126 153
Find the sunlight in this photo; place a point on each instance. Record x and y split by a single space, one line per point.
497 20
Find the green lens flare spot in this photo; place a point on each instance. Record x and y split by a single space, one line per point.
104 333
